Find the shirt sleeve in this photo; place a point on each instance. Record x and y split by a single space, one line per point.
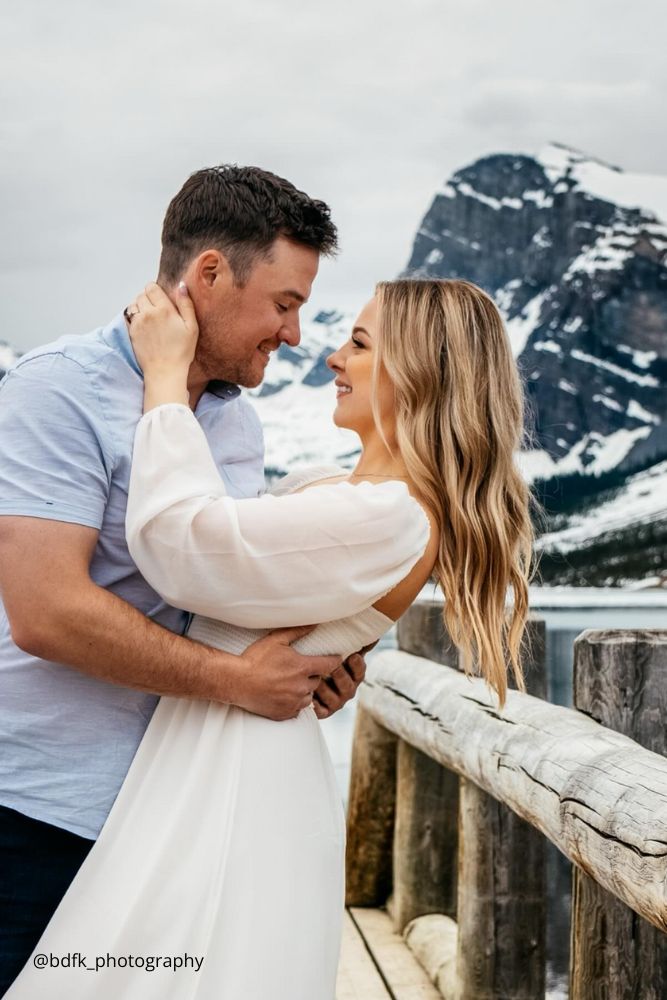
268 561
55 453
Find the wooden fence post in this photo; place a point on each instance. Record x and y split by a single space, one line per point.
426 826
371 812
502 883
620 680
426 832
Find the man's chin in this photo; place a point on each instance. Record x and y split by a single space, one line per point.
250 380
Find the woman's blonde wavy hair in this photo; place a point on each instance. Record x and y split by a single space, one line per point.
459 421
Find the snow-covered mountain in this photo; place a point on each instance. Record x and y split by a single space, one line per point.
574 251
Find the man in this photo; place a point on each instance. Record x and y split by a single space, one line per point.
86 646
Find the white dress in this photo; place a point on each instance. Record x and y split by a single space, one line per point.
219 872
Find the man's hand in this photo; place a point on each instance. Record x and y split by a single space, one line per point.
277 682
334 691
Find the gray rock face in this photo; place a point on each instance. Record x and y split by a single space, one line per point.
581 278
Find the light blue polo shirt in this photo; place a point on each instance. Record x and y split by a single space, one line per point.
68 413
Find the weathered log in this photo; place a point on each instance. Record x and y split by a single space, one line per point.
501 864
424 865
596 794
502 882
620 680
370 813
426 832
432 940
502 902
422 632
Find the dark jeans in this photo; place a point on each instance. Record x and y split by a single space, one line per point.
37 863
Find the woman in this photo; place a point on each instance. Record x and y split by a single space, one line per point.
226 842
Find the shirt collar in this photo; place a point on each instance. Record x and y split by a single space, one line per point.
116 336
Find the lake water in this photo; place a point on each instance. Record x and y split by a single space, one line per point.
567 612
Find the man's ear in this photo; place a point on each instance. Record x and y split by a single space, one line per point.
211 267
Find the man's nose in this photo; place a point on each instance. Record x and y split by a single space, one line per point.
290 333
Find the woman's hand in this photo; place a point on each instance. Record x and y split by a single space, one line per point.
164 338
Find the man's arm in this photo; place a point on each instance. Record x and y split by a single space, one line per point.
56 612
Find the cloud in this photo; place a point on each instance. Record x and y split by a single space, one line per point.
106 109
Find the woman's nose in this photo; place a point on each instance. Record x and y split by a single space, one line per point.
334 361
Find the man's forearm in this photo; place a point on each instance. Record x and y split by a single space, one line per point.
104 636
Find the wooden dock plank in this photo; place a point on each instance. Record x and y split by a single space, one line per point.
405 977
358 978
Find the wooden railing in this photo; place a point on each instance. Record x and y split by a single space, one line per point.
451 799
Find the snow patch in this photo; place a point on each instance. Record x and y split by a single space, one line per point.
628 190
615 369
642 359
494 203
606 451
504 296
541 240
520 327
637 412
604 255
613 448
541 198
547 345
606 401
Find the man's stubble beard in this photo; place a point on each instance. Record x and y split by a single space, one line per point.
215 366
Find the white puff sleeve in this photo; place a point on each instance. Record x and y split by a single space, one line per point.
303 558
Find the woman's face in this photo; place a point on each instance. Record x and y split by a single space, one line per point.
353 365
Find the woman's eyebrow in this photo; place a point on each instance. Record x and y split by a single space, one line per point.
360 329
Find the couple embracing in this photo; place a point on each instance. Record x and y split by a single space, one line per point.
172 633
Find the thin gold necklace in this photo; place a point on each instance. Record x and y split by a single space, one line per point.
363 475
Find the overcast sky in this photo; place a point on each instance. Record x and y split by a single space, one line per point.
368 104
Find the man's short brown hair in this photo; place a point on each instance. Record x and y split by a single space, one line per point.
240 211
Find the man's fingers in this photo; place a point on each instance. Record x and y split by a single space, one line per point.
143 302
325 701
151 293
326 695
320 711
345 685
156 295
356 666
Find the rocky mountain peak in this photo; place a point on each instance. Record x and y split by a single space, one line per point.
574 252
